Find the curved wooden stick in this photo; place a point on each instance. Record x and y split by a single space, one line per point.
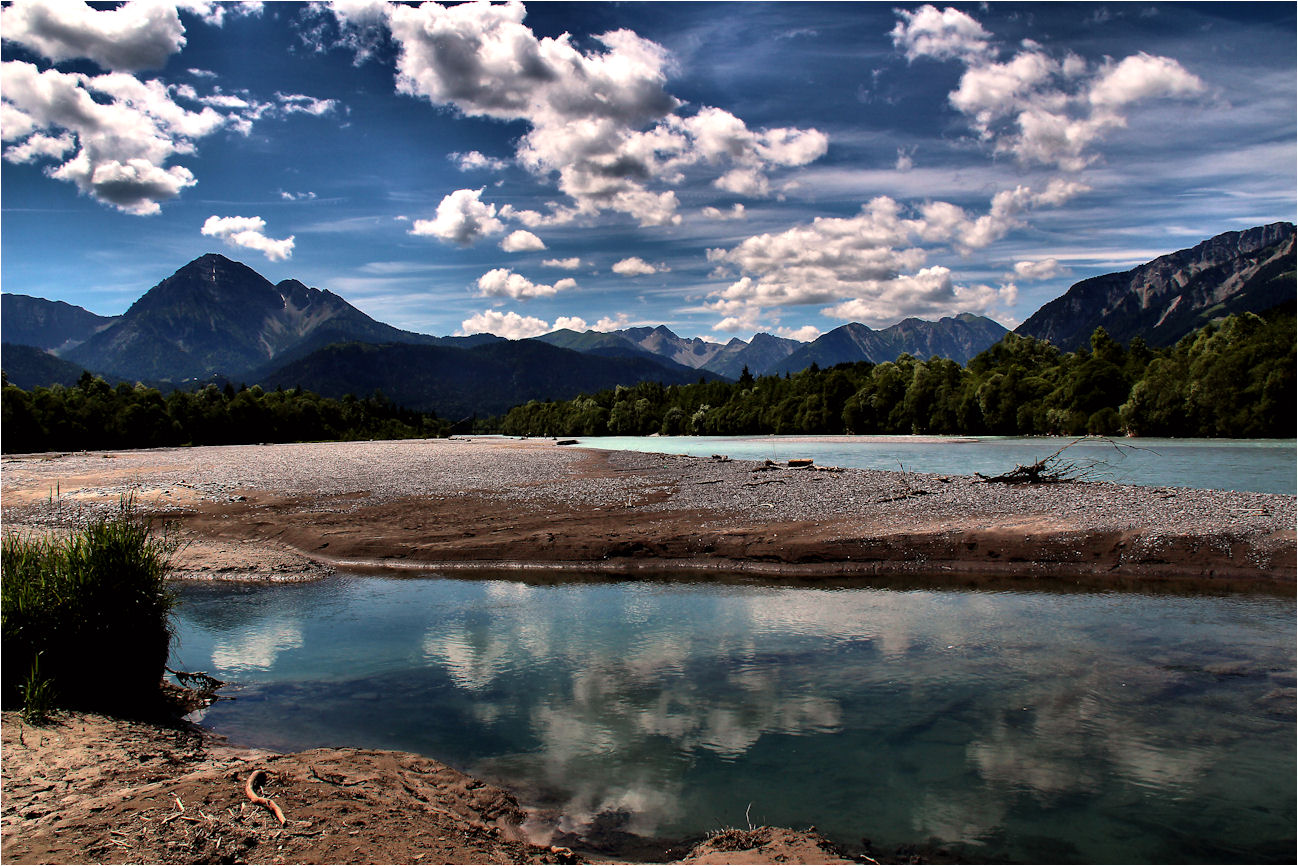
257 798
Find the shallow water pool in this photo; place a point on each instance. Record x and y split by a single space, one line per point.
1029 726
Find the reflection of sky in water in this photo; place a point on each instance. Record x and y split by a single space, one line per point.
257 646
997 720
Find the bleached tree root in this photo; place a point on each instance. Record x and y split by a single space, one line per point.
249 789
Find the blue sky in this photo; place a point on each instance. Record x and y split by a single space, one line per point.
719 168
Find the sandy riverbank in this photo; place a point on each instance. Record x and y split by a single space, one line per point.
294 511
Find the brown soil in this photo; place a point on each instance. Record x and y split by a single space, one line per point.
89 788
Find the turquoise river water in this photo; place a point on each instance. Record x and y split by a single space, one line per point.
1044 726
1261 465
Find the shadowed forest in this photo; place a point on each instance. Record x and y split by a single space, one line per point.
1229 379
94 414
1234 379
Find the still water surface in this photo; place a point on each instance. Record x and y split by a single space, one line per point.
1260 465
1033 726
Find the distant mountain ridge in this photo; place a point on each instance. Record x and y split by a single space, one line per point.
956 337
216 317
50 325
486 379
1175 294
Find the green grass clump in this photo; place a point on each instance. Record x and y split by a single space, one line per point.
86 620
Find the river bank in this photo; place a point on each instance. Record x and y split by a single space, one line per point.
91 788
294 511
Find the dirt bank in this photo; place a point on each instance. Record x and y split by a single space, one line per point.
89 788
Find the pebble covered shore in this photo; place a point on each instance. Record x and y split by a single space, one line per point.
537 471
536 475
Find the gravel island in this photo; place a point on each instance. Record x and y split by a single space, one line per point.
293 511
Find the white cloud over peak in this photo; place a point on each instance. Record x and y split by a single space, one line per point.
504 283
1041 270
927 293
805 334
872 267
462 218
1041 110
249 232
512 326
637 267
521 242
613 323
572 323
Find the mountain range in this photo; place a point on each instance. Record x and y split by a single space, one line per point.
1175 294
217 319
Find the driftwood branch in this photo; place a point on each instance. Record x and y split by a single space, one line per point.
197 680
1055 469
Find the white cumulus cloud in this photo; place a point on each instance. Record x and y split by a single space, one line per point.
114 135
568 264
734 212
1040 109
1041 270
600 120
299 103
947 34
521 242
137 35
126 131
462 218
504 283
475 161
637 267
248 232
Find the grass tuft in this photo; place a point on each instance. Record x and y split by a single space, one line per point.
86 619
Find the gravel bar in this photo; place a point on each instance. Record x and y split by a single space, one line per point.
636 492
